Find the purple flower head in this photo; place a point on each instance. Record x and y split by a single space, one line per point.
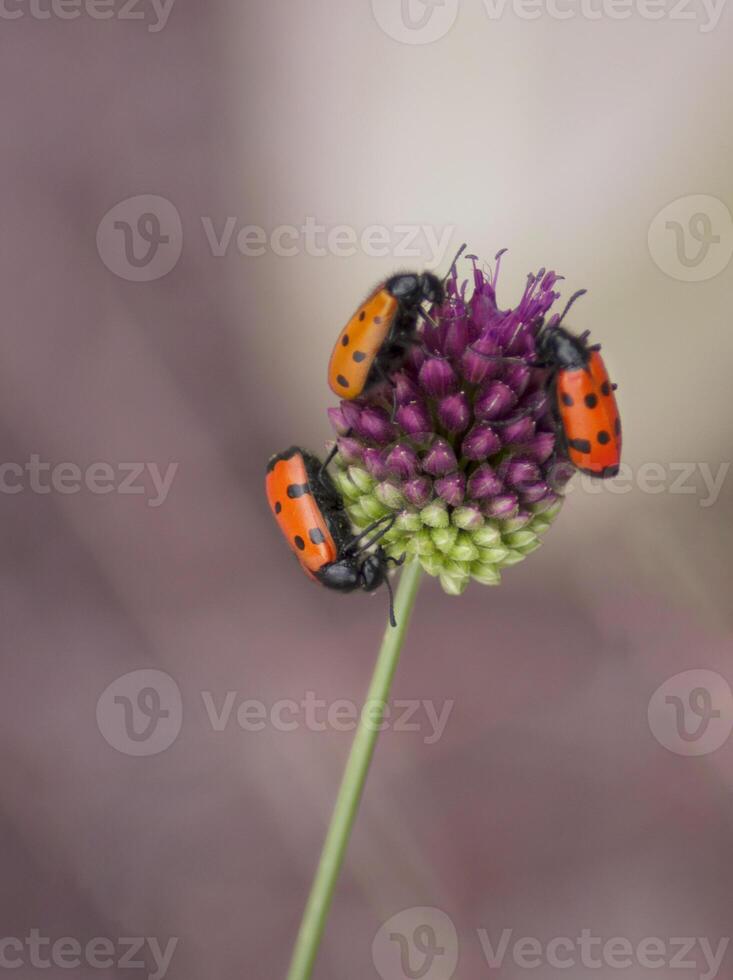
461 445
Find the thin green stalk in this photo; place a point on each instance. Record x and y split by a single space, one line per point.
352 783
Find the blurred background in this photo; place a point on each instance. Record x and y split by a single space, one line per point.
190 198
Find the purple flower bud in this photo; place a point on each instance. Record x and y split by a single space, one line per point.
518 432
488 345
517 376
454 412
494 401
374 424
546 502
502 506
534 492
351 414
402 461
338 420
415 358
439 459
418 491
478 367
511 334
520 473
537 403
559 473
542 446
437 377
484 482
374 460
432 339
456 337
452 488
351 450
405 388
415 419
480 442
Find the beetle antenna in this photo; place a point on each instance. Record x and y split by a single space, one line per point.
389 518
426 316
326 462
580 292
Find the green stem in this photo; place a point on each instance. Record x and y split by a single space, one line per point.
352 783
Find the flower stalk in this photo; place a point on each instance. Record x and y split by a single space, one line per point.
354 778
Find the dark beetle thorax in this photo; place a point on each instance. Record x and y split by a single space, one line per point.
405 287
561 349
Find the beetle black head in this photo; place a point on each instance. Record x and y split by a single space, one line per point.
373 570
431 288
557 347
410 288
366 572
343 575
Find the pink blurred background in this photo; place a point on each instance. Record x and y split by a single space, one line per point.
547 805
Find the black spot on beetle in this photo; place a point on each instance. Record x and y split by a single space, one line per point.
591 400
278 507
567 399
582 445
296 490
345 340
603 437
316 535
359 356
299 542
340 379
